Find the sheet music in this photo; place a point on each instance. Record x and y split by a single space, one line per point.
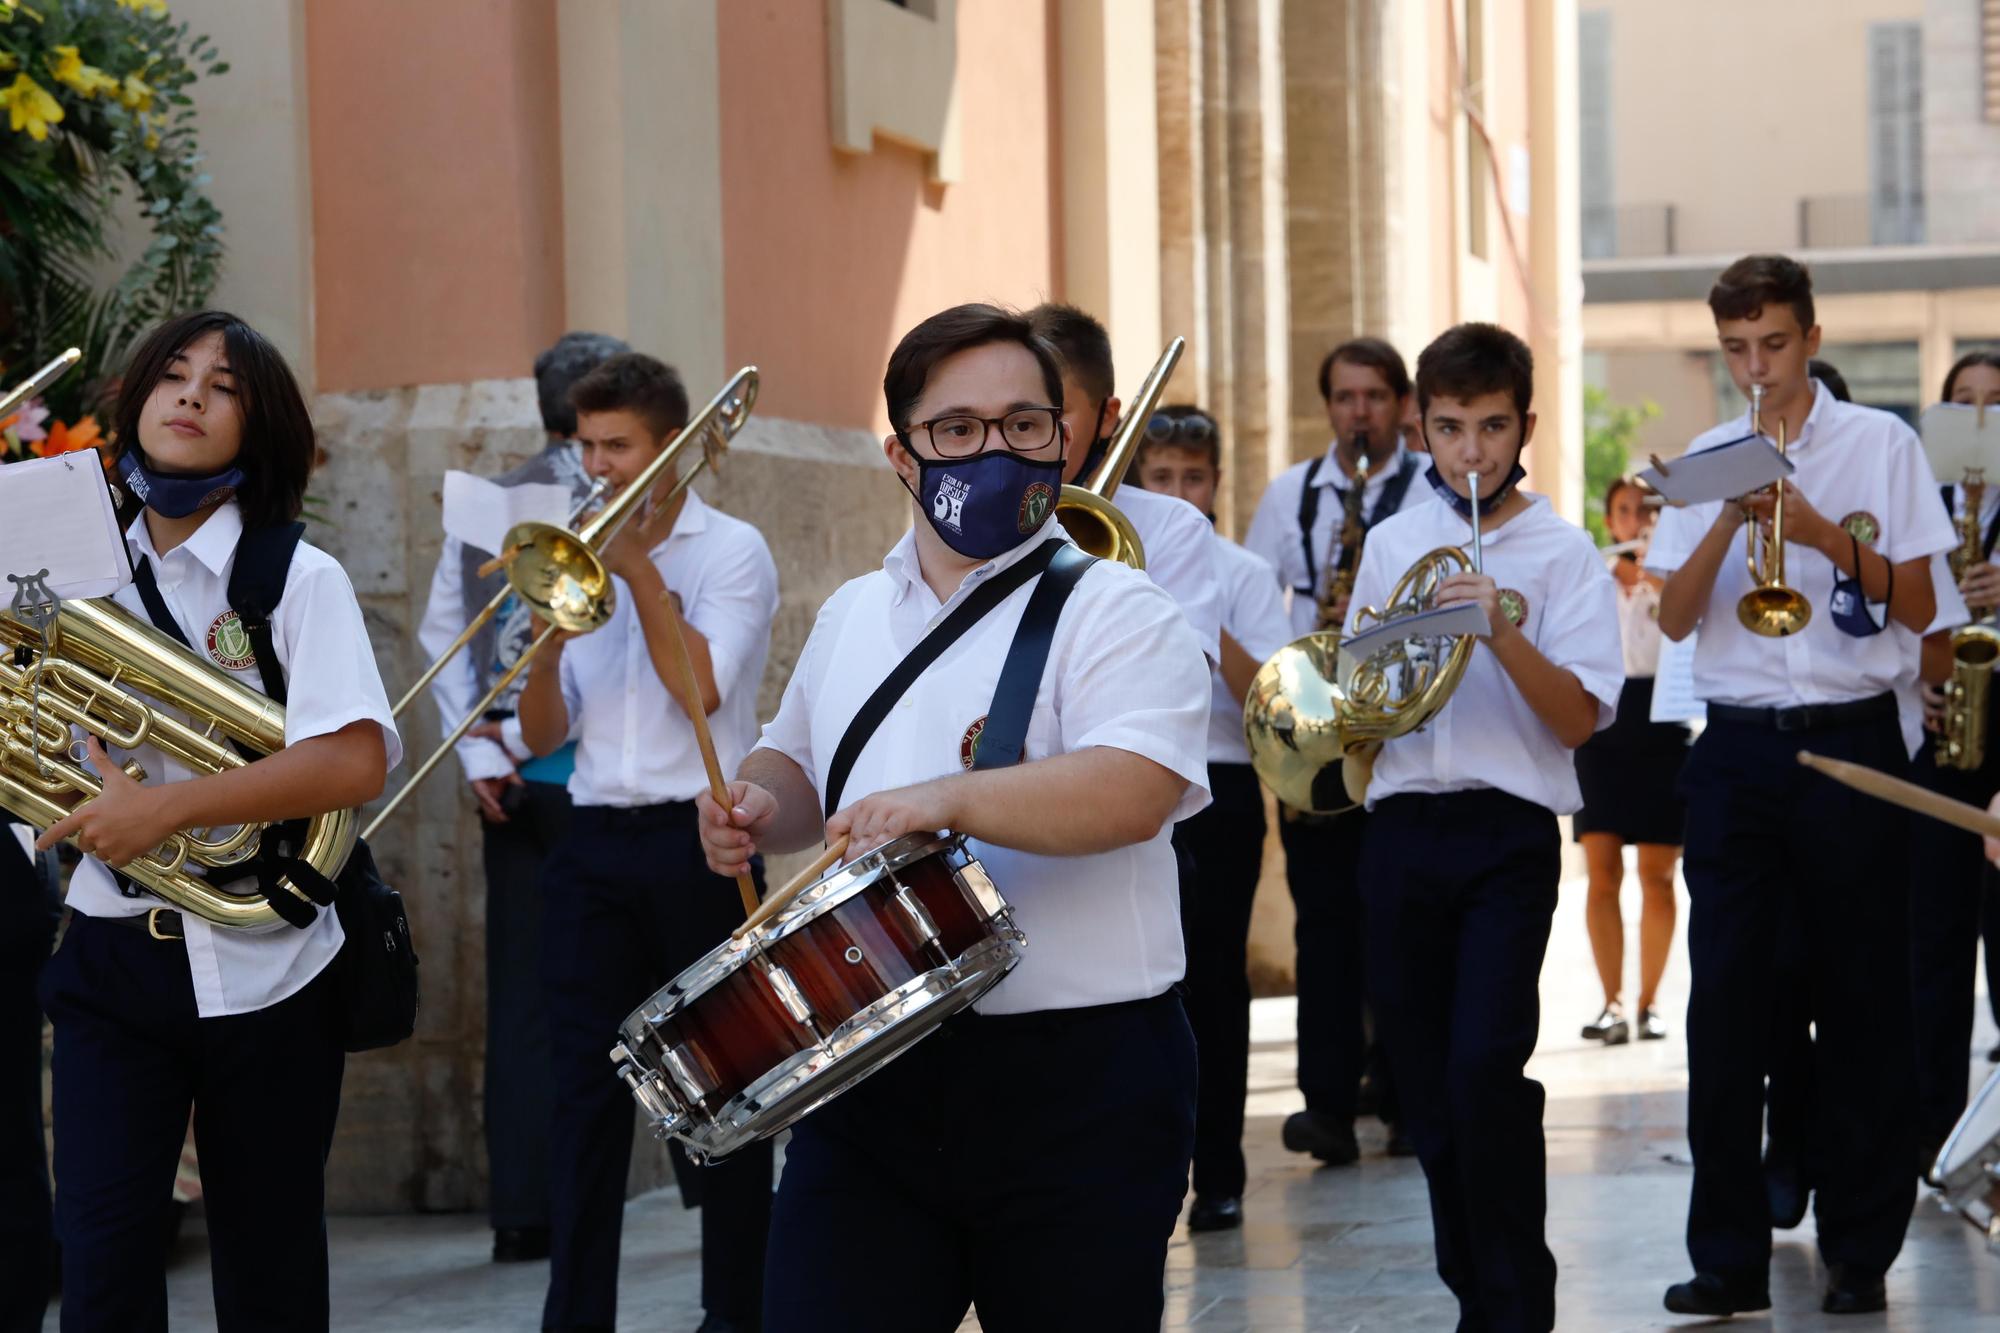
1673 684
1722 473
56 514
1463 618
1959 436
479 512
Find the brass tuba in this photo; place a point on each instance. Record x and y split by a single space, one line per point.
1317 715
1085 510
1975 648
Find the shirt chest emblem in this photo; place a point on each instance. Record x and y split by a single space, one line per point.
968 744
1514 606
229 644
1863 526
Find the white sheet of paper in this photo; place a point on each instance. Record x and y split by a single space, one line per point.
1955 440
1673 684
1721 473
56 514
479 512
1464 618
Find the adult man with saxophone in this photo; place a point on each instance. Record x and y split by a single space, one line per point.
1859 517
1311 525
523 811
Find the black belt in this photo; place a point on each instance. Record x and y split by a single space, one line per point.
1808 717
162 923
667 813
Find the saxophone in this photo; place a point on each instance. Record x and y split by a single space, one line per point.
1974 648
1337 581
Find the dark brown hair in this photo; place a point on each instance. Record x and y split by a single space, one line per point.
635 382
1083 345
1753 282
1985 356
1373 353
278 446
1835 382
1211 445
1620 484
952 331
1472 359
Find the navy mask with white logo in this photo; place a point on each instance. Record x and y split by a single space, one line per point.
983 506
1849 603
1487 502
174 496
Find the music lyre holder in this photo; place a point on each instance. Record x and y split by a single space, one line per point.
35 605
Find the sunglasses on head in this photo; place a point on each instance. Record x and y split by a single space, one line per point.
1164 429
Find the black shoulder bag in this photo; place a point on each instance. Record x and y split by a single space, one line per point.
377 965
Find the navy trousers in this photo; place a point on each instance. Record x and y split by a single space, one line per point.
131 1056
1766 837
628 903
1461 887
519 1098
1032 1165
27 1234
1323 871
1226 841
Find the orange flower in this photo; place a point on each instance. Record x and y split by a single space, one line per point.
63 439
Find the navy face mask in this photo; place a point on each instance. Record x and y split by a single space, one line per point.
1849 603
174 496
984 505
1487 502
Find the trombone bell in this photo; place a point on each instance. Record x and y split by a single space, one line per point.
560 577
1099 527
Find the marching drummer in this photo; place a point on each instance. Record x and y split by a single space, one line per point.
628 902
1029 1158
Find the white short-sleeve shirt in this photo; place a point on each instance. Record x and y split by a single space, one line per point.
1253 614
330 680
1854 463
1639 627
1124 671
1180 558
1486 735
1274 531
635 745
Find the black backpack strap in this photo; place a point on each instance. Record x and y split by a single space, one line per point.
256 586
1005 735
1308 514
968 613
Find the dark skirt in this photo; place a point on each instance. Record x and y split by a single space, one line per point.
1628 771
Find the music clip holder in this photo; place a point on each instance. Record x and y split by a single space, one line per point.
35 605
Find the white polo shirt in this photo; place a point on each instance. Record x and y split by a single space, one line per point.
1124 671
330 681
1253 614
635 745
1180 558
1852 461
1487 735
1274 531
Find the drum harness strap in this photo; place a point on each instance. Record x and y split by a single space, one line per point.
1006 731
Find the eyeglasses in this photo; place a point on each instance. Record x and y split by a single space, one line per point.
1163 429
1023 431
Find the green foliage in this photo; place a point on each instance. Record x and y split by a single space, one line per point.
126 132
1608 432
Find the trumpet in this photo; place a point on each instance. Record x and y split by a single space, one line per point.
1770 608
1316 716
559 573
1975 648
1085 510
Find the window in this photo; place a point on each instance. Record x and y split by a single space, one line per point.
1896 133
1600 222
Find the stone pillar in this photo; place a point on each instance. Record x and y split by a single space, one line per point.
1555 274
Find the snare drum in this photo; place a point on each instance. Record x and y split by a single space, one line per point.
1967 1172
856 969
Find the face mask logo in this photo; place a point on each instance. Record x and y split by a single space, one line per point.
948 507
1035 507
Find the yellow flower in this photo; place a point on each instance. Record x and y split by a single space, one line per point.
153 8
138 94
69 70
30 108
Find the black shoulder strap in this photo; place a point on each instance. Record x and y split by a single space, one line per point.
256 586
968 613
1950 509
1393 490
1308 515
1005 735
156 605
1992 534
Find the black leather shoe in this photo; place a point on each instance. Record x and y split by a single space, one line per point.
520 1245
1330 1140
1609 1027
1707 1294
1215 1214
1851 1290
1399 1144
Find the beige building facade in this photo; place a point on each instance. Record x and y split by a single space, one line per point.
420 197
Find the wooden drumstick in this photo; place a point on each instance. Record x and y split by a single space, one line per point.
799 884
1906 794
745 886
499 562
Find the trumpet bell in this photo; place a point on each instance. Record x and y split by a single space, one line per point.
1774 611
1291 724
1099 527
557 574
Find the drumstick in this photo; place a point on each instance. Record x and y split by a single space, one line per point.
698 715
498 562
800 882
1906 794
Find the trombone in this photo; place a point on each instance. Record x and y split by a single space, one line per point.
1770 608
40 380
559 574
1085 510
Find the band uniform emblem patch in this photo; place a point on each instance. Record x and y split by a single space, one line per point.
1034 507
229 644
1514 606
1863 526
968 744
